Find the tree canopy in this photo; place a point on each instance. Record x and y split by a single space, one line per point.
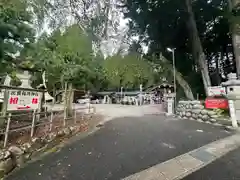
203 34
162 24
128 71
15 31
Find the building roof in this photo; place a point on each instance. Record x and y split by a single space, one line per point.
127 93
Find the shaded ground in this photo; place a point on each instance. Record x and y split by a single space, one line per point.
122 147
226 168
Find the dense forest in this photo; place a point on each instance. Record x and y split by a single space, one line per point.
71 40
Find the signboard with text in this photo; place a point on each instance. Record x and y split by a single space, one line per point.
216 102
23 100
216 90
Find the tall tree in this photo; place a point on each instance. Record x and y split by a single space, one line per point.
97 18
234 7
198 52
128 71
66 56
15 31
162 24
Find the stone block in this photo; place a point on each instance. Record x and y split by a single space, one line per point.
171 169
198 106
194 116
215 116
188 114
188 162
211 113
6 166
152 173
212 120
204 111
16 151
224 122
4 154
205 117
199 120
197 111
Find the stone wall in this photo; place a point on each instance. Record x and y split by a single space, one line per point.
194 110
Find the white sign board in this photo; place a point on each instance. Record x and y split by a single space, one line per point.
23 100
216 90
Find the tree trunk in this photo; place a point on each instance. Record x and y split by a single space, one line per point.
107 10
179 78
69 100
65 101
217 60
198 53
184 84
235 29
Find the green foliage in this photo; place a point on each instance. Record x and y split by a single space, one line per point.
66 56
161 24
15 31
128 71
221 112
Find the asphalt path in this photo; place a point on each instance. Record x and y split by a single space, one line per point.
123 146
225 168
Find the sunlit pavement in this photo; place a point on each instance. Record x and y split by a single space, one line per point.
123 147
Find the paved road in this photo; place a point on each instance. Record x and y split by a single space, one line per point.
111 111
122 147
226 168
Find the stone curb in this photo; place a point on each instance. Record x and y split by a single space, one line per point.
227 127
185 164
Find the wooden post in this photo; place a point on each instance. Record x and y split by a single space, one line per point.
45 105
51 120
65 105
75 116
82 116
51 115
33 122
5 102
39 108
7 130
65 116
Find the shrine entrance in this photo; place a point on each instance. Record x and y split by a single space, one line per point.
160 92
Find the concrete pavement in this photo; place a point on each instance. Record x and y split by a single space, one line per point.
123 147
112 111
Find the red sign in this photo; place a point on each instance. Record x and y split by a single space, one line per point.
24 107
216 103
13 100
34 100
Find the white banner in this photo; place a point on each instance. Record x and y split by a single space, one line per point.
23 100
216 90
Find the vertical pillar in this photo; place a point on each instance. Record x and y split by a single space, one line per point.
170 102
7 130
233 113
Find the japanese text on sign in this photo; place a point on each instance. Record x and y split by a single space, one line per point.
216 90
23 100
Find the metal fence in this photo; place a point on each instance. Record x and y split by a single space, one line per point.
17 124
